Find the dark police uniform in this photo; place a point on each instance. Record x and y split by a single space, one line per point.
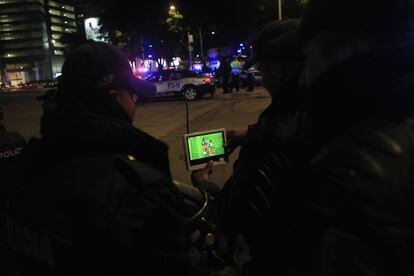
11 145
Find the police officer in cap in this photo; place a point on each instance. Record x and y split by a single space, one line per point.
94 195
251 201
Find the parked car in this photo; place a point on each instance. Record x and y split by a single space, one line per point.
183 83
50 83
6 87
27 85
38 84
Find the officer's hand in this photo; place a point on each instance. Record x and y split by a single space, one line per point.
235 138
203 174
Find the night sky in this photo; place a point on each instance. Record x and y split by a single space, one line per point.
232 20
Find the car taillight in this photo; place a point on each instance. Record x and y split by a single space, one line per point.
207 81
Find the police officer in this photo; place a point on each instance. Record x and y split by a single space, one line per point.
249 72
251 201
359 193
94 195
224 72
11 146
236 69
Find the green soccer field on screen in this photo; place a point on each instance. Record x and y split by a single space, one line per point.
205 146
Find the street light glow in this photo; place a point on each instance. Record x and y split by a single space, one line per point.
213 33
172 7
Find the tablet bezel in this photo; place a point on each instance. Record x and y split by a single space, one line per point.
219 159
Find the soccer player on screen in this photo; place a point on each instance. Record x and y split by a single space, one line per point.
204 146
211 148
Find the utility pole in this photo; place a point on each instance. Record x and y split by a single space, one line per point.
190 50
279 7
142 49
201 44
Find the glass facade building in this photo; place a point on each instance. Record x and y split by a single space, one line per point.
29 34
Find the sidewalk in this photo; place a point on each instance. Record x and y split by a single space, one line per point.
257 93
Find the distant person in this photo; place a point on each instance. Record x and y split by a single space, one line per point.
206 67
250 79
236 69
94 195
224 72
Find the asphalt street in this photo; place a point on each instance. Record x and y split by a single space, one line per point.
165 120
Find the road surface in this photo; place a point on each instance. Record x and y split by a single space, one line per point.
164 120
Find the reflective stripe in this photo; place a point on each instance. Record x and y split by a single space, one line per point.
236 67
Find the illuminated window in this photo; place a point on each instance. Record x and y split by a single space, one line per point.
59 6
19 27
19 1
25 8
57 44
61 13
20 45
58 52
13 18
15 36
25 53
56 28
63 22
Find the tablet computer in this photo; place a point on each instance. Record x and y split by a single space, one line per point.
201 147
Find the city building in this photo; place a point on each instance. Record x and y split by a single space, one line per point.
29 38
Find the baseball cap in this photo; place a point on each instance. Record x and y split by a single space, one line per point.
277 41
104 65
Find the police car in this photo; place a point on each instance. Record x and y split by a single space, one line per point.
188 84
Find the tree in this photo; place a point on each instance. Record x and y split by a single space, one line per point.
177 26
175 21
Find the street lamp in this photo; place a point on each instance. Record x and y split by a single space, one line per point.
172 7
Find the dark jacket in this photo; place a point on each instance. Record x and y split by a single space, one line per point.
375 85
360 180
251 200
96 198
225 69
11 146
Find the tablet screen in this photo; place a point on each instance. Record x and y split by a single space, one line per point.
204 147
